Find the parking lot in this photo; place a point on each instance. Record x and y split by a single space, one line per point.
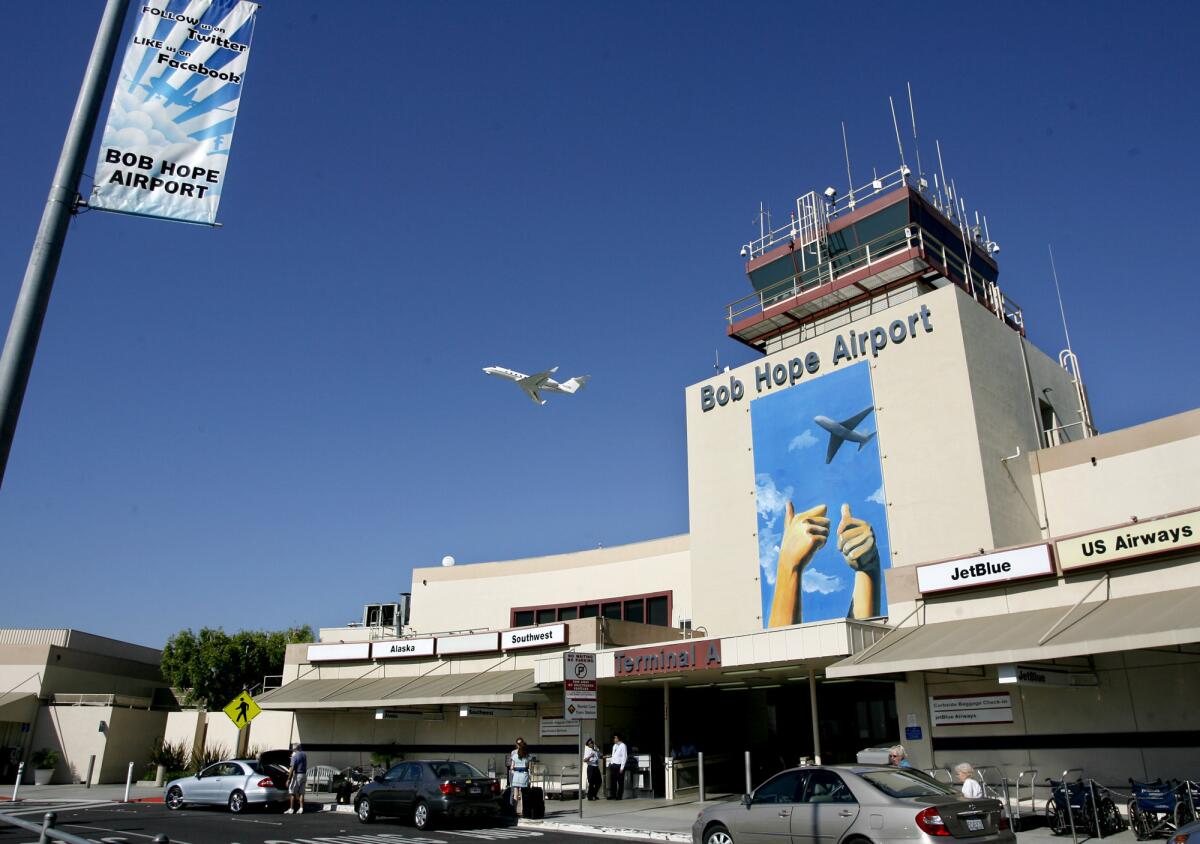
138 823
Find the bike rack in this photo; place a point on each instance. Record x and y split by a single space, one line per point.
1000 793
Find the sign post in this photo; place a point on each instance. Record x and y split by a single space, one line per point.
579 701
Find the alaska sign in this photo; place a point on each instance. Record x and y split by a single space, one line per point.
689 655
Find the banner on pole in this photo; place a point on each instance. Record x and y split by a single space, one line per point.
166 143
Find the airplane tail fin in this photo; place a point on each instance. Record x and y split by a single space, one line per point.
867 439
574 384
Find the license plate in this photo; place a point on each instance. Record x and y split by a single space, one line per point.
475 791
974 825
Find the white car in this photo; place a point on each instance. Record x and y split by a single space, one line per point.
236 783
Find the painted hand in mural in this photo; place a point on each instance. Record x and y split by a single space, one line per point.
804 534
856 541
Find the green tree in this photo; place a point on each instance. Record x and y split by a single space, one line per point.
214 666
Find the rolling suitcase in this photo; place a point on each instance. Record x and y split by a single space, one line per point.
533 803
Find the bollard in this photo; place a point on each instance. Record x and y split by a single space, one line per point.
87 783
17 784
749 782
128 782
700 768
47 824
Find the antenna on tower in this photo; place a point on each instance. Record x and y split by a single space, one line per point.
717 360
896 126
912 111
1058 293
945 185
846 149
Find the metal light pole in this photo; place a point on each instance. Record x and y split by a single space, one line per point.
17 359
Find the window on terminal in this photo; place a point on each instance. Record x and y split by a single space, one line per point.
656 611
589 611
612 610
568 613
523 618
635 610
545 616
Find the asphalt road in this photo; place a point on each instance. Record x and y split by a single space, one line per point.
139 823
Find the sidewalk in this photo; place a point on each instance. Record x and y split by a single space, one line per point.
79 793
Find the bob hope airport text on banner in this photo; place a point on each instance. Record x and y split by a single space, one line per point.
166 143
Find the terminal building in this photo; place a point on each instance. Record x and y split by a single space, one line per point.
903 527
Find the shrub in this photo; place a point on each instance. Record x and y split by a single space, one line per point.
44 758
172 755
202 757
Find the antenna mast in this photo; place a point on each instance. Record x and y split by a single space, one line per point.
896 126
912 112
846 149
1068 357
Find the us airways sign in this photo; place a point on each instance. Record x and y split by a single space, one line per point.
690 655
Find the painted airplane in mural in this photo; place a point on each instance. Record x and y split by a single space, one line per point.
534 384
839 432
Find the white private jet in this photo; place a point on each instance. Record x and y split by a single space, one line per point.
532 384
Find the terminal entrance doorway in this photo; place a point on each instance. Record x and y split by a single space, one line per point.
774 722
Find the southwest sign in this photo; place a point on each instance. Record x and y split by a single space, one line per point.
998 567
1142 539
691 655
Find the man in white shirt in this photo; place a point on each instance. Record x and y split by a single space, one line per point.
616 768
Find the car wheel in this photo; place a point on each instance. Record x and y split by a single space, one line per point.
174 799
422 817
717 834
364 810
237 801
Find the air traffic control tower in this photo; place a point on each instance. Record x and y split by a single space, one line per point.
897 402
843 257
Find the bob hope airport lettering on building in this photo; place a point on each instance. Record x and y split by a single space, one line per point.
691 655
852 346
997 567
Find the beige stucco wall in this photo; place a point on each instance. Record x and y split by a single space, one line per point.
482 595
74 731
1142 472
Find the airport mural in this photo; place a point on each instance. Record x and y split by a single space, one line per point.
822 526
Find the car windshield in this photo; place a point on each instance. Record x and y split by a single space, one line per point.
455 770
905 783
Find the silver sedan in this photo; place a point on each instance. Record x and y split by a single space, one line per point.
237 783
863 804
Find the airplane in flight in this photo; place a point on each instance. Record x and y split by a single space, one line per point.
533 384
839 432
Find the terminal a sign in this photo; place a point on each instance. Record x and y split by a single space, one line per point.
1133 541
984 569
691 655
846 347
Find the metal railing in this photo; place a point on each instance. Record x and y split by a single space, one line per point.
908 237
47 832
812 214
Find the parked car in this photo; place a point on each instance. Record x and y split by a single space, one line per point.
428 790
866 803
1189 833
236 783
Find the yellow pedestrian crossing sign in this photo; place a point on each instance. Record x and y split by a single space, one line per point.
242 710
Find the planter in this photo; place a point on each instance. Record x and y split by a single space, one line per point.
42 776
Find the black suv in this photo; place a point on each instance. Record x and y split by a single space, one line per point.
427 790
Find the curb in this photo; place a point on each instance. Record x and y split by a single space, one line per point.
611 831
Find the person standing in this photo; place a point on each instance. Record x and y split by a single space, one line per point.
616 768
591 763
297 777
518 773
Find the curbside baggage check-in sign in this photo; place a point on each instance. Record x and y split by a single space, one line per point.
165 147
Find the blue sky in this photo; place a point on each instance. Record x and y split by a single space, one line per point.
273 422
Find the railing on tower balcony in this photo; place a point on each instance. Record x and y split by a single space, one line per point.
832 270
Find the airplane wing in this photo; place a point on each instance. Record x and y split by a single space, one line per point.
853 421
534 382
533 395
835 442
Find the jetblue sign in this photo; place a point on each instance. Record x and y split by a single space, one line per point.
985 569
849 346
